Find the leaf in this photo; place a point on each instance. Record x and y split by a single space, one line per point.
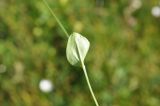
77 48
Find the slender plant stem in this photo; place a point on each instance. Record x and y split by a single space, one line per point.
89 85
58 21
86 75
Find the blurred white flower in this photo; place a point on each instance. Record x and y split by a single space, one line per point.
156 11
45 85
2 68
136 4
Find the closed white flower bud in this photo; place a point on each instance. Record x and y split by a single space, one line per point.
77 48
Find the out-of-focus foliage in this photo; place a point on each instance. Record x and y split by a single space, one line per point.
123 62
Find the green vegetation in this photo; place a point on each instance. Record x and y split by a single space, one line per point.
123 61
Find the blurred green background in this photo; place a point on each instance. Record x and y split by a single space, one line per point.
123 62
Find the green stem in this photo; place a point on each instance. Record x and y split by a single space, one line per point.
89 85
58 21
86 75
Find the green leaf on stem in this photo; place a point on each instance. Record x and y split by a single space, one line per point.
77 48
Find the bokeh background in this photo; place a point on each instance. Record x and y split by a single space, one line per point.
123 61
